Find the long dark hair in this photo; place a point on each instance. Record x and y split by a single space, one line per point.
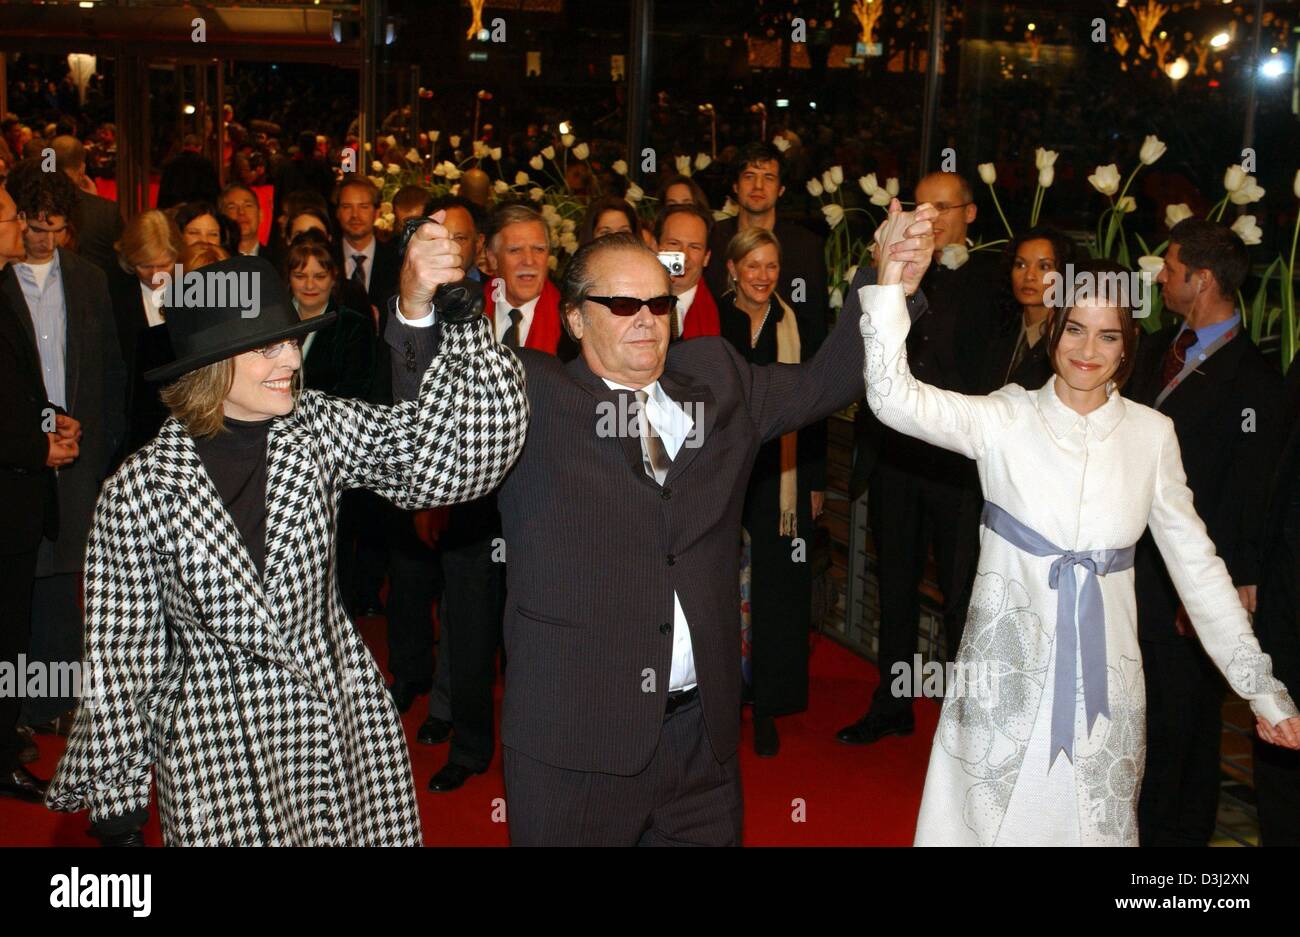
1063 249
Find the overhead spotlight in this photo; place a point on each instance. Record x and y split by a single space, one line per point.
1220 40
782 102
1273 68
188 109
1032 26
1177 69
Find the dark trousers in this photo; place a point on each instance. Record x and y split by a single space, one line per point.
364 523
17 571
908 514
684 797
58 633
414 584
1180 789
780 599
1277 794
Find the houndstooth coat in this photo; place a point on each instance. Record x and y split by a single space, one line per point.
263 713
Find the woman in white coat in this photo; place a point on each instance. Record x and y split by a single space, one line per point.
1042 741
220 654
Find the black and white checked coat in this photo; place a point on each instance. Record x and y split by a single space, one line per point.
263 713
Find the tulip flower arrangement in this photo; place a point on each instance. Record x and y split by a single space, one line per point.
845 249
1106 180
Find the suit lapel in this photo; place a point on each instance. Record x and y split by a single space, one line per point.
697 401
1217 369
77 316
14 292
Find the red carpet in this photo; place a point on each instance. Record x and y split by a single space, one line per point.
816 792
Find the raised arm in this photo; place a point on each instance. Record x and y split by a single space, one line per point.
1207 592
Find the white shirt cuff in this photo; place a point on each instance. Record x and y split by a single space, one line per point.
422 323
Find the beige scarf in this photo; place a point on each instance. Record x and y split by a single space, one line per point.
787 352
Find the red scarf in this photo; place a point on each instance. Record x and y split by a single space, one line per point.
702 317
545 331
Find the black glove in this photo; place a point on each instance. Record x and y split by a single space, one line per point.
131 838
121 830
455 302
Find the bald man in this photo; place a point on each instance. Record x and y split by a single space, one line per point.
919 495
96 221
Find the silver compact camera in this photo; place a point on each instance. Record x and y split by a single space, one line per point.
674 262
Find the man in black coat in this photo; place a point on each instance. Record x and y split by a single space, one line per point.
189 176
85 376
1226 402
921 495
31 447
96 221
622 524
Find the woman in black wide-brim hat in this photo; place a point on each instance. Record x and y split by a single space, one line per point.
218 652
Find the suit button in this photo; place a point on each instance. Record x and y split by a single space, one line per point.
665 628
671 559
666 494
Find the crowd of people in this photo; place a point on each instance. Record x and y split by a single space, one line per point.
265 480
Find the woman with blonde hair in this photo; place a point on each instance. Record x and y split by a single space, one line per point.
223 662
149 248
785 495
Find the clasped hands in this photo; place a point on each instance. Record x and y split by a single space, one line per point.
64 442
905 245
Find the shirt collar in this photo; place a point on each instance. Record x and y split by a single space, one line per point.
528 308
1062 420
26 269
1211 333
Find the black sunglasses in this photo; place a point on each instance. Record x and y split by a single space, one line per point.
630 305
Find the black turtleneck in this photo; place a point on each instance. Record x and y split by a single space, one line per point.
236 461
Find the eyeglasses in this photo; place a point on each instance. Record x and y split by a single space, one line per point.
273 351
631 305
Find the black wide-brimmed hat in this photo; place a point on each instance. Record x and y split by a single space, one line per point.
225 308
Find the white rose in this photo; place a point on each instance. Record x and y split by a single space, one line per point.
1234 178
1046 176
566 140
683 164
988 173
1151 264
1043 159
536 194
1127 205
634 193
954 255
814 188
869 184
548 152
834 214
1152 149
837 175
1249 232
536 163
1249 192
581 151
1176 213
1106 179
620 167
500 187
702 161
521 178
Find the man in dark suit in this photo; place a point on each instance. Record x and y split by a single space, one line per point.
189 176
622 522
239 203
921 496
757 186
1226 402
65 313
31 447
96 221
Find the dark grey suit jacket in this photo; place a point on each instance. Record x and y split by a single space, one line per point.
96 382
98 224
596 548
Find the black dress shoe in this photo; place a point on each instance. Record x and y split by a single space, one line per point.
873 726
23 785
59 725
405 692
28 753
766 742
433 731
451 777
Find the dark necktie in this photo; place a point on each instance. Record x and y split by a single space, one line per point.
654 455
359 271
1176 356
511 338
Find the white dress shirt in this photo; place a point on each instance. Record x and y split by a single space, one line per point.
501 316
350 265
674 426
153 298
684 301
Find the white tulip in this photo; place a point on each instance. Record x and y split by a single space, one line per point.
581 151
702 161
683 164
452 171
521 178
869 184
634 193
1296 185
729 208
550 214
377 166
385 208
566 140
1046 176
851 274
1106 179
1246 229
620 167
552 262
837 174
1152 149
828 183
1176 213
536 163
1151 264
496 153
378 181
390 140
891 186
481 149
988 173
834 214
837 298
568 226
881 197
954 255
548 152
1234 178
500 187
393 169
1043 159
1249 192
455 190
814 188
1127 205
413 156
781 143
434 135
536 193
568 242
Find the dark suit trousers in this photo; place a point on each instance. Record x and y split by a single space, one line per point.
16 574
682 798
907 514
414 583
473 602
58 633
1277 794
1180 789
